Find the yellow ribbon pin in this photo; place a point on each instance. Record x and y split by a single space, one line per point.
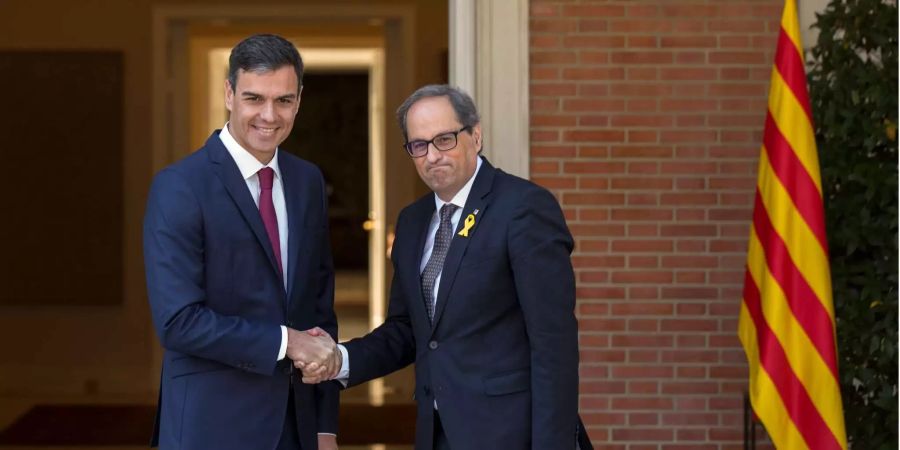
470 222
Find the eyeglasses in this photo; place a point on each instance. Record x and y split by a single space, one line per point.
442 142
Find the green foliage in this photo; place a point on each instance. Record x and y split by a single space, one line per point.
853 90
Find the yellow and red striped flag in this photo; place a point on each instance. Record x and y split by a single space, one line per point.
787 315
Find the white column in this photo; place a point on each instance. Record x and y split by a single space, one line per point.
489 59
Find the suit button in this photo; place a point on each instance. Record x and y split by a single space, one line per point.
427 390
433 345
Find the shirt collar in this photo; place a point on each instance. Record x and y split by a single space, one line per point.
247 163
460 198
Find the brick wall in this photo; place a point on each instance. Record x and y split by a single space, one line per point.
646 122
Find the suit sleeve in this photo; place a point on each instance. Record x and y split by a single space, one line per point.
540 245
327 394
174 264
392 345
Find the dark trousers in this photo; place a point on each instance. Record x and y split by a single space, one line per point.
440 438
289 439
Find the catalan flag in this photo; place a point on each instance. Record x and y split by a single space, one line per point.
787 315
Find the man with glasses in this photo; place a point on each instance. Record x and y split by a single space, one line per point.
483 295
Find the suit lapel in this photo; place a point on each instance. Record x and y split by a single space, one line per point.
227 171
476 205
294 193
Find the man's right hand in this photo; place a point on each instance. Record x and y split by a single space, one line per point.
312 351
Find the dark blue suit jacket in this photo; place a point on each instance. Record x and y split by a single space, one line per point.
501 359
217 302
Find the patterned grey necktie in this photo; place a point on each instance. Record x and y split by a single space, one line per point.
438 253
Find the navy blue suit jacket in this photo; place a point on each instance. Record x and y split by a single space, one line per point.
501 359
217 301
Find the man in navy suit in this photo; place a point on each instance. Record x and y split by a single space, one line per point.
482 298
237 260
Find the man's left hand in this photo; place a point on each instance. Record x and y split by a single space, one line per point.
328 442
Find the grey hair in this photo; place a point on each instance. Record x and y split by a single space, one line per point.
462 103
264 53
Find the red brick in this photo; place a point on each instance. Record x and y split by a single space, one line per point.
641 434
643 403
642 230
552 89
544 41
641 199
643 168
643 387
543 10
635 245
593 121
592 25
643 325
544 168
678 136
688 41
643 419
646 214
642 11
594 136
555 182
681 105
593 73
642 136
643 120
690 293
641 25
554 120
643 262
594 10
651 341
642 42
642 104
690 168
651 183
643 293
593 167
642 277
593 42
642 309
552 57
692 277
694 58
688 74
602 356
592 104
684 9
735 57
736 26
545 25
592 57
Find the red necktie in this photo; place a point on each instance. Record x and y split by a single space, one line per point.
267 211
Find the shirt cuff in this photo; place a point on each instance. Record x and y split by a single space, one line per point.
283 349
327 434
343 375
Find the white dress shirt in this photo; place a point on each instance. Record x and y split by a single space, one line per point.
249 167
459 200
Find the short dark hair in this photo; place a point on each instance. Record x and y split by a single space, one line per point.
462 103
264 53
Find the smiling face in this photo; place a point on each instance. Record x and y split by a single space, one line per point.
263 106
445 172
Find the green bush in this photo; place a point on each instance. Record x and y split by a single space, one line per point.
853 90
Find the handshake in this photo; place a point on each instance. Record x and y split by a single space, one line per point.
314 353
